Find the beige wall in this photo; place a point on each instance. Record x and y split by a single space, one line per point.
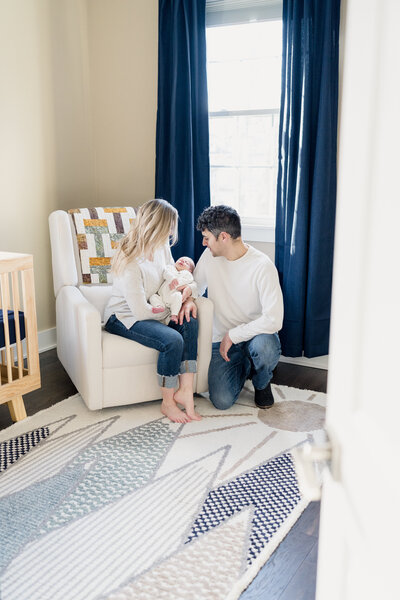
77 116
123 46
78 103
27 179
70 90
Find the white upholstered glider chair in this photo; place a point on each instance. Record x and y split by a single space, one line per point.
106 369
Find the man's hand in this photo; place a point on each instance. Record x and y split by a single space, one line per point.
173 284
226 343
186 292
188 308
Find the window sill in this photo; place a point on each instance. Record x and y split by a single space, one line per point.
258 233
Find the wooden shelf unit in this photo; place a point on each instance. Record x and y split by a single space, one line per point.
17 293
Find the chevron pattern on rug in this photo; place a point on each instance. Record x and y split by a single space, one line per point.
123 504
271 489
12 450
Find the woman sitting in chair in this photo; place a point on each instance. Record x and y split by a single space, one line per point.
138 267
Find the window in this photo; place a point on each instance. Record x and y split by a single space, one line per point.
244 81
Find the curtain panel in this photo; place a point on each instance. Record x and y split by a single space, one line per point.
182 146
306 191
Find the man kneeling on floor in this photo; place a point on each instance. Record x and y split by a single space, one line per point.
244 286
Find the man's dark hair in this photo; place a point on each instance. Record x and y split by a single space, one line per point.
220 218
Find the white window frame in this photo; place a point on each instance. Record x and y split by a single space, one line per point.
230 12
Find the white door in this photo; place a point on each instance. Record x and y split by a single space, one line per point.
359 552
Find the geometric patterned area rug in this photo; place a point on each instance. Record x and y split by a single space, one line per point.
121 504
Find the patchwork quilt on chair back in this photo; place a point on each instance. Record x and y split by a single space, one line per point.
98 232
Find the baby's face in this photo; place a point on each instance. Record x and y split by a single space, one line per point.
184 264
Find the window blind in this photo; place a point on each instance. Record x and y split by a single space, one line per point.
229 12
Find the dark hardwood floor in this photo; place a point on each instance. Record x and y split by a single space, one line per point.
56 386
290 573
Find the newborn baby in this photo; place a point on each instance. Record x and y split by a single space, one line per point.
176 277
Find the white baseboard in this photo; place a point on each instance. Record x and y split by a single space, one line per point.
319 362
47 339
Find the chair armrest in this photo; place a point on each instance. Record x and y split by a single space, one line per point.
62 251
79 345
205 310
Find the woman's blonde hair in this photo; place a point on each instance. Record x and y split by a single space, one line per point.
155 222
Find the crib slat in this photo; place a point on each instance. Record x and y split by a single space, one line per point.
18 380
30 321
5 301
2 359
2 353
17 307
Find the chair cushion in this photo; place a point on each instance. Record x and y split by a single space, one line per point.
122 352
98 231
11 327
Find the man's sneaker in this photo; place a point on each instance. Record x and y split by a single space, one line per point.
264 398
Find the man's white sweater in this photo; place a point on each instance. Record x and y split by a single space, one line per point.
245 292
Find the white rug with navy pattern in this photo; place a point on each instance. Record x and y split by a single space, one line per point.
122 504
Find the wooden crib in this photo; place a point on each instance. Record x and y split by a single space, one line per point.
18 332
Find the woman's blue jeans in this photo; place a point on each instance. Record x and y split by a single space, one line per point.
254 359
177 345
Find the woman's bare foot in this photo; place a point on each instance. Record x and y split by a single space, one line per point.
185 397
174 414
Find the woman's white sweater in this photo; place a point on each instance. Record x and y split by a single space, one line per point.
132 289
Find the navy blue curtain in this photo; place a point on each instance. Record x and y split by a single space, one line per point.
182 146
306 194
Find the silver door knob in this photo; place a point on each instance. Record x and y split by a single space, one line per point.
310 462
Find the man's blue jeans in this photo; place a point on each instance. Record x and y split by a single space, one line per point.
177 345
254 359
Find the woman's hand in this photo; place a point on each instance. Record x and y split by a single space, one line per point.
188 308
186 292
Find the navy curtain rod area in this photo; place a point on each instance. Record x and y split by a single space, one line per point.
306 191
182 143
